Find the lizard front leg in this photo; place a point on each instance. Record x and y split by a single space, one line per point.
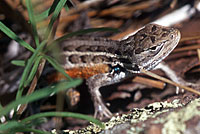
94 83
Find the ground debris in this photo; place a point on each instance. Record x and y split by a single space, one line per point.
150 119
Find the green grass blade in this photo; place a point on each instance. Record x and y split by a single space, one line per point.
23 78
9 125
43 15
18 62
85 31
33 71
57 8
66 7
63 114
32 21
13 36
14 126
28 68
40 94
47 12
57 66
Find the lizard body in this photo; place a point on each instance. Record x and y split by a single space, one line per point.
103 61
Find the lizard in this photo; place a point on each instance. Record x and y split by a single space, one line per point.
103 61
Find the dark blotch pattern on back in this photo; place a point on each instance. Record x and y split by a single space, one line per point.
82 48
86 58
68 48
74 59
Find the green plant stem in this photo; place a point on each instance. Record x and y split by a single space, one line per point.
28 67
63 114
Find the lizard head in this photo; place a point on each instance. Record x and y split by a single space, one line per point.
152 44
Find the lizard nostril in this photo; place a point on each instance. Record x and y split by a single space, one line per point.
172 36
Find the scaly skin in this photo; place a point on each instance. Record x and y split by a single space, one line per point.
103 62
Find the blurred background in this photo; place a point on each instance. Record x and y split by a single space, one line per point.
127 16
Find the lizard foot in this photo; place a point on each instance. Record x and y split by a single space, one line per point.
94 83
101 111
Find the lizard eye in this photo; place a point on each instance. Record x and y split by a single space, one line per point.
153 48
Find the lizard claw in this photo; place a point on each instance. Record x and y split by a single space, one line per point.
101 111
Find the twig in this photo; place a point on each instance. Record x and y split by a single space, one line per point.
169 81
152 83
